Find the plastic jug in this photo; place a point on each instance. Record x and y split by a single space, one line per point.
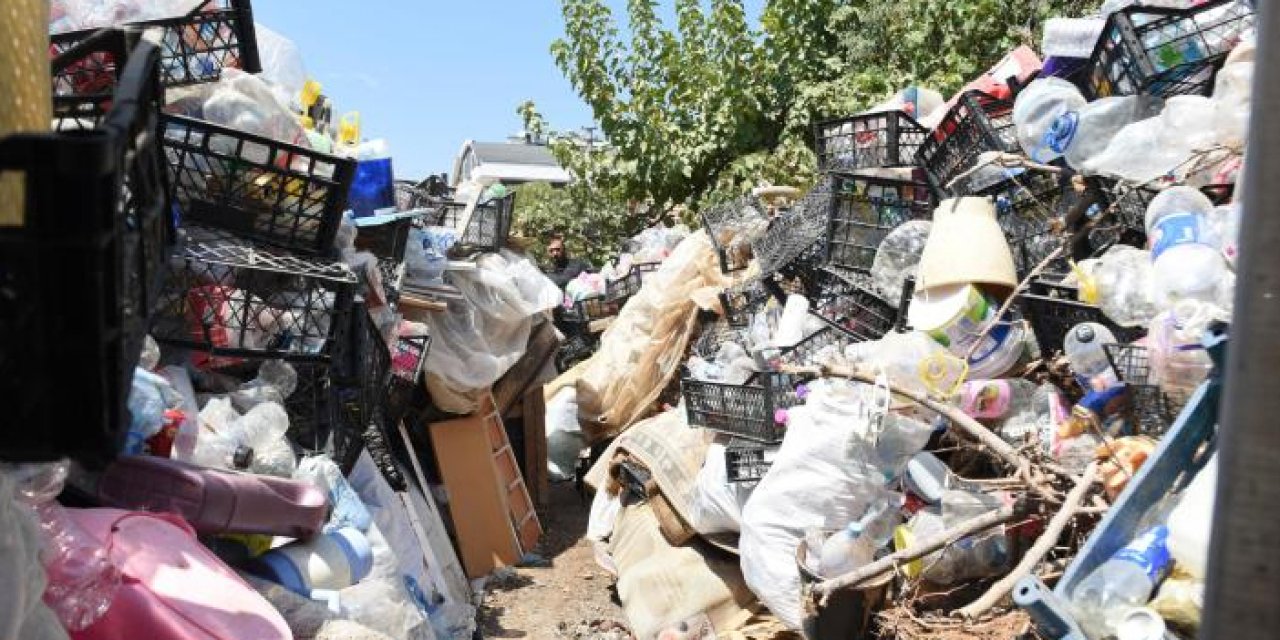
215 500
335 560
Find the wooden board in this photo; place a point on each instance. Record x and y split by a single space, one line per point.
535 446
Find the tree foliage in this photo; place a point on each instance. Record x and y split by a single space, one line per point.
708 104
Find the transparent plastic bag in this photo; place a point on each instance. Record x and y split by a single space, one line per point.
281 60
715 505
75 15
246 102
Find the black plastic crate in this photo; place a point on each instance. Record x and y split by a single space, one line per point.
864 210
226 297
732 225
629 285
1165 52
1052 309
712 335
741 302
195 48
795 233
744 410
489 227
747 461
851 308
1027 203
1151 410
324 417
975 124
74 298
868 141
810 351
266 190
594 308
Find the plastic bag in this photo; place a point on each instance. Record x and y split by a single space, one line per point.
812 484
716 503
383 605
247 103
348 509
22 614
564 436
281 60
477 340
74 15
605 509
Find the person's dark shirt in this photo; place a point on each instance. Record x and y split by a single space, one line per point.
565 270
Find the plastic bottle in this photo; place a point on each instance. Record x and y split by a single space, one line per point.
1122 583
1097 122
1192 521
1084 348
845 551
1120 284
996 399
898 256
1028 421
1045 117
1179 363
1186 263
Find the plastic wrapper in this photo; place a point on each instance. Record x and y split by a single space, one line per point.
813 483
476 340
276 380
74 15
281 60
586 285
225 433
654 244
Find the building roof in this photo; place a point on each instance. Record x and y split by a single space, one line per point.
512 153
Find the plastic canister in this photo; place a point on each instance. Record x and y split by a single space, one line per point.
335 560
954 315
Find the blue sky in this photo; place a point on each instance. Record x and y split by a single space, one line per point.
429 74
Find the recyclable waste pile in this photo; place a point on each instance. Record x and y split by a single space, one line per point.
967 383
248 285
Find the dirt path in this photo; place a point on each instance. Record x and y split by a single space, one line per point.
570 599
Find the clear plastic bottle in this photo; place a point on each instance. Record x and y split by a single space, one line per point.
1186 264
845 551
898 257
1121 282
1122 583
1099 121
1045 116
1084 348
1178 361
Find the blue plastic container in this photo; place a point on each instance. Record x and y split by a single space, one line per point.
372 188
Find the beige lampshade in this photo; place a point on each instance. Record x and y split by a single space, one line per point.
966 246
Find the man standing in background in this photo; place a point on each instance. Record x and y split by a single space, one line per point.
563 268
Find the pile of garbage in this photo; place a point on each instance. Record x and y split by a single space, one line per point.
979 357
262 307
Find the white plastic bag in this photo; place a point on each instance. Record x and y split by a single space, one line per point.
715 505
281 61
564 435
812 484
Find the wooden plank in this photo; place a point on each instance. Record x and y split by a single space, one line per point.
535 447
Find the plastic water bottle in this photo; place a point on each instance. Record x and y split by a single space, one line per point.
898 257
1122 583
1186 263
1045 117
845 551
1088 359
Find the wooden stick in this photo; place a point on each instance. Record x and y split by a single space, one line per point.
1043 544
920 549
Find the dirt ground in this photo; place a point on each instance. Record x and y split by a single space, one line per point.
571 598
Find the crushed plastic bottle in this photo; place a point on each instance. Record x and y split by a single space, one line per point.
1100 120
1186 263
82 581
898 257
976 556
1045 116
1122 583
1121 284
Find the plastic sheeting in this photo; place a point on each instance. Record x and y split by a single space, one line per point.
478 339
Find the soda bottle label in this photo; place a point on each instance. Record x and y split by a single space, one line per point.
1149 551
986 399
1174 231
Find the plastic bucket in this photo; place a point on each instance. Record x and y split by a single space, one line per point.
848 614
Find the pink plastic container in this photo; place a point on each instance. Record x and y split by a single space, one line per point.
215 500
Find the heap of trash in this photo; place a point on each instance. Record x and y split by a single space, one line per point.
965 384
